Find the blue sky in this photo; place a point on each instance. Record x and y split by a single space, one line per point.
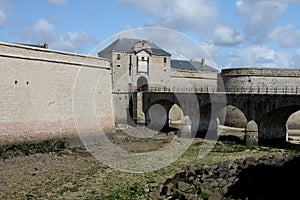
236 33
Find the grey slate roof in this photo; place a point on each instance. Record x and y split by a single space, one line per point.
126 45
191 65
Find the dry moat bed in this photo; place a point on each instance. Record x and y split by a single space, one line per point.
52 170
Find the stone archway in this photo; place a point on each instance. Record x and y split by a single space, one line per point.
272 128
293 125
142 84
234 117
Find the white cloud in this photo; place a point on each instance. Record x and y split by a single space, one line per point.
263 56
58 2
255 56
286 36
256 37
226 36
260 16
42 31
197 15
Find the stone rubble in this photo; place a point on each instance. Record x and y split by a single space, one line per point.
213 181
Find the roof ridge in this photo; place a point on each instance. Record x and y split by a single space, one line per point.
124 44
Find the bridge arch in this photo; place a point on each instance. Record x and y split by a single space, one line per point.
293 124
272 127
211 117
234 117
156 116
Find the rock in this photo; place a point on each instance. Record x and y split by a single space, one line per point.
222 183
167 189
182 186
215 196
213 184
156 195
223 172
231 179
215 179
180 176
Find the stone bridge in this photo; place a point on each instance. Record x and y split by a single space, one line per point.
266 114
266 96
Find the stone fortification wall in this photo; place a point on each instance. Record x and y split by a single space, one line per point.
260 80
37 92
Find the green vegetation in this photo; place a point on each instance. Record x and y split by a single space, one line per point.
79 175
32 148
204 196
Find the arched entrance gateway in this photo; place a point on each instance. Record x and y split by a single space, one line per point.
142 84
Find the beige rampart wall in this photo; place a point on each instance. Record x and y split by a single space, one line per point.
37 92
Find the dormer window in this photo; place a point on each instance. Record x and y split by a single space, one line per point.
140 45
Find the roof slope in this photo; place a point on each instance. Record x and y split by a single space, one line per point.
191 65
127 44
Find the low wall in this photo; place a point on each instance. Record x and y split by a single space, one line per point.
37 93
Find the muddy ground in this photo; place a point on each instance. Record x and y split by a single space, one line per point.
73 173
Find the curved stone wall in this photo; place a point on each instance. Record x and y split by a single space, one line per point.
261 80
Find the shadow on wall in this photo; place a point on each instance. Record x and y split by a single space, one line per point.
268 182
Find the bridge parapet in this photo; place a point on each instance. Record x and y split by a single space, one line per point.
263 90
174 89
229 90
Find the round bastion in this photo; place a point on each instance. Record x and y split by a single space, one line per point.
258 81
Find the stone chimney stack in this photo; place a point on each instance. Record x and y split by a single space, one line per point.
202 62
46 45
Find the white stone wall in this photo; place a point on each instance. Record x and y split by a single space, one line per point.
37 87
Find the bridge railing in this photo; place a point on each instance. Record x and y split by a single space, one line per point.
204 89
264 90
234 90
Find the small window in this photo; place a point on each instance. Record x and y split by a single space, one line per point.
165 60
118 56
130 64
118 65
143 58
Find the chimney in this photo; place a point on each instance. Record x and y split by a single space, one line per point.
46 45
202 62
